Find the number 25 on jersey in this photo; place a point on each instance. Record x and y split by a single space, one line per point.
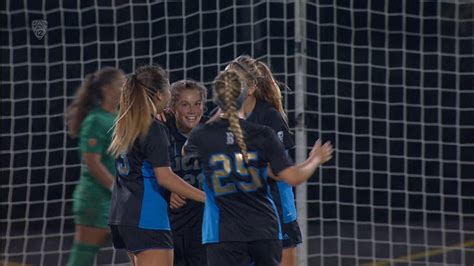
224 165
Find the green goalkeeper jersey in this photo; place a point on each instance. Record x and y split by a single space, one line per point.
95 136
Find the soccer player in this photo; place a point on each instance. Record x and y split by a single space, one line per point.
263 106
187 108
90 118
138 218
241 224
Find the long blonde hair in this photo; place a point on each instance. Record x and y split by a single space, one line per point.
137 107
89 94
268 89
227 88
257 73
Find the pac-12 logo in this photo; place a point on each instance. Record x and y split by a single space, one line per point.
40 28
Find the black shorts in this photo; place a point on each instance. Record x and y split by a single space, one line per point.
291 234
134 239
189 251
262 252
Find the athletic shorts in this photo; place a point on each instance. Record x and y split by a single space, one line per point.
189 251
91 208
262 252
291 234
134 239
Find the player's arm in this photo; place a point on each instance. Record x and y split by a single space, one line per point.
174 183
297 174
97 169
91 144
280 167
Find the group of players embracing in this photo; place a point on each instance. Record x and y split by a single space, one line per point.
192 190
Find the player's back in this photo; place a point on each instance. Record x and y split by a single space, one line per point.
239 206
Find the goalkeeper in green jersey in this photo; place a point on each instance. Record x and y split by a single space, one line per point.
91 117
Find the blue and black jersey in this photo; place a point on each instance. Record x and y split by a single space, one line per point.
265 114
186 220
239 205
137 198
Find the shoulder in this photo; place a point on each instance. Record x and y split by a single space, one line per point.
254 128
91 117
271 113
95 121
199 129
265 113
99 117
158 128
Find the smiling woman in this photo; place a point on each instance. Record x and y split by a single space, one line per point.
187 107
187 103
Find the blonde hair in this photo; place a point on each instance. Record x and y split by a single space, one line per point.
227 88
257 73
137 107
268 89
89 94
179 86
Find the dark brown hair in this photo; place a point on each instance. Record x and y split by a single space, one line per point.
88 96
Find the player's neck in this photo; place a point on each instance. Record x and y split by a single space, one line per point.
249 105
183 130
109 107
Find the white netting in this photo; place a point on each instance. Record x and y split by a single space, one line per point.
388 82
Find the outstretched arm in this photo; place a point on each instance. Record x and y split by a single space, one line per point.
299 173
174 183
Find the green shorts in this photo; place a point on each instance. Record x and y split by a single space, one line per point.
91 205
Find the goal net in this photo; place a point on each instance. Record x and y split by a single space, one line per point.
390 83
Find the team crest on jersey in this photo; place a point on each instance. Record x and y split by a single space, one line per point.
280 135
92 142
230 138
40 28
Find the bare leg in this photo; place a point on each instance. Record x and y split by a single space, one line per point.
289 257
132 258
158 257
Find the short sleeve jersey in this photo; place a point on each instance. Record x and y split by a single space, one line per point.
238 206
266 114
95 136
137 198
186 220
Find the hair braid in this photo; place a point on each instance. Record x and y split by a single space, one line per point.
228 88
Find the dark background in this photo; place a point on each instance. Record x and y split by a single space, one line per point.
390 83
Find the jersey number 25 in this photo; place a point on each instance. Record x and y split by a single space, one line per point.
224 165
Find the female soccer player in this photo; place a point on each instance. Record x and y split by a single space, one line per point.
263 106
90 118
187 108
138 212
241 223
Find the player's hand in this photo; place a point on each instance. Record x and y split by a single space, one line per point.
177 201
322 153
